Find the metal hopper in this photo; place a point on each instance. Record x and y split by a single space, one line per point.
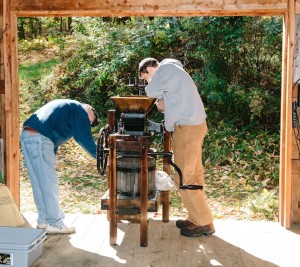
134 103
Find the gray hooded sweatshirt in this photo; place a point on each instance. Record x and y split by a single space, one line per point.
182 102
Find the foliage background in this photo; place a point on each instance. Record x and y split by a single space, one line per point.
235 62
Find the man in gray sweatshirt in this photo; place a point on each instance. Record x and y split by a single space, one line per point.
178 98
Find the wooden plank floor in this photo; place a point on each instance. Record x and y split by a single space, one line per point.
235 243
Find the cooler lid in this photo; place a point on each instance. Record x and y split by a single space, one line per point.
19 238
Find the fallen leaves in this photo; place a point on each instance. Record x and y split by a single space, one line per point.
230 195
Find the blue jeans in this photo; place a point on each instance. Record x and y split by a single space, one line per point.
40 160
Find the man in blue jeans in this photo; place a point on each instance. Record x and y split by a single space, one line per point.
43 132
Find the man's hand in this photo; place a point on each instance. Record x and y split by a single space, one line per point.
160 105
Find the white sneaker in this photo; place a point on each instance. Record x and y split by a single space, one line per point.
59 230
41 226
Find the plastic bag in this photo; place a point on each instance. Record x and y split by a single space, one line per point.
163 181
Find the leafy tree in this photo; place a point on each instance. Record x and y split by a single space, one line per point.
33 27
235 61
240 76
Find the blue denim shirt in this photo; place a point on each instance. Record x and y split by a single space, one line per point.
62 119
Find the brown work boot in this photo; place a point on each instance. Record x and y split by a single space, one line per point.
183 223
193 230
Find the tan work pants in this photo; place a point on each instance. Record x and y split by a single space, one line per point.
187 143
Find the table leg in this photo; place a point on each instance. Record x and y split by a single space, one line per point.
113 190
144 193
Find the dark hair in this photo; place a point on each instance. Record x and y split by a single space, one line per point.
96 121
147 62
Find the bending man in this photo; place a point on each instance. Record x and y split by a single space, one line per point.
43 132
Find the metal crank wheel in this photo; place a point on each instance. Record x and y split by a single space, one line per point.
102 149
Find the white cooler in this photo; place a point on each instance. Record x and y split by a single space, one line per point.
20 247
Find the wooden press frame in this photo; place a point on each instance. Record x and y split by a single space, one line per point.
142 202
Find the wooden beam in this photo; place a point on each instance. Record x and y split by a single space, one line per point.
11 102
106 13
148 8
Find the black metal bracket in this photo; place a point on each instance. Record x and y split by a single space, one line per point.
176 168
105 152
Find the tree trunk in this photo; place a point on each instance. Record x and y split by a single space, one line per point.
69 24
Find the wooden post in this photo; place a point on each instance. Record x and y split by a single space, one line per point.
113 189
11 102
286 117
165 195
283 124
111 120
144 191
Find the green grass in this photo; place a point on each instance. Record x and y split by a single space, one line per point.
37 70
